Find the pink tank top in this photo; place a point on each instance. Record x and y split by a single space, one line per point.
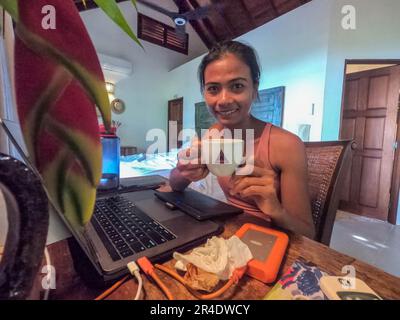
261 153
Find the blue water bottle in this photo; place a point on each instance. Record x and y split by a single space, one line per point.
111 153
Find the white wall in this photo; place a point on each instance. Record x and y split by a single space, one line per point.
185 84
146 106
290 57
291 54
376 36
305 51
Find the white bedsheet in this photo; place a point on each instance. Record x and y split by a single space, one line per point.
162 164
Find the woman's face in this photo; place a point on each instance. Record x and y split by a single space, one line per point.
229 90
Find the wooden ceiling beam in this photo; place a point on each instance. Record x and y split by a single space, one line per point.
195 24
206 21
274 8
248 14
228 26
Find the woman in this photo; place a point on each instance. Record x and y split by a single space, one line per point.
277 188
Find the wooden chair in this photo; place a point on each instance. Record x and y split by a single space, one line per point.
327 163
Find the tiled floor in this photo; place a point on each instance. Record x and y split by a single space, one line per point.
372 241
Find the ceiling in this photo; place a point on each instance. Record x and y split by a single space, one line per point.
228 19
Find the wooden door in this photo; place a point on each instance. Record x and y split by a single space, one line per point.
370 106
175 121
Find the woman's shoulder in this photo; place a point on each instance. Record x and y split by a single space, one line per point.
284 138
285 145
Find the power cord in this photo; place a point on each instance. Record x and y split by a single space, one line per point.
234 279
148 268
134 271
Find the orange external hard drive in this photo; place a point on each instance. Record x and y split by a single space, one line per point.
268 248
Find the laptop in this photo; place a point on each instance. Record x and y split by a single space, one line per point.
127 225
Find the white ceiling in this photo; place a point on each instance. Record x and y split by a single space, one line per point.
109 39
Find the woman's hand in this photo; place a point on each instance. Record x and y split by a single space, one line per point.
189 163
261 186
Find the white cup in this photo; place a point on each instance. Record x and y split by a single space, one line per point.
222 156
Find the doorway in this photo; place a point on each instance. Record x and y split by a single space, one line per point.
175 123
370 117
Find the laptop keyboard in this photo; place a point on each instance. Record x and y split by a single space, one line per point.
125 229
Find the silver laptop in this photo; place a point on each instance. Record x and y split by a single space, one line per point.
128 225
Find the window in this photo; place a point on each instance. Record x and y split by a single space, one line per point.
159 33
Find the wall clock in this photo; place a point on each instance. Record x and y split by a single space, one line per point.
118 106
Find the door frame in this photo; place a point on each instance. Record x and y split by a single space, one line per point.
395 180
168 116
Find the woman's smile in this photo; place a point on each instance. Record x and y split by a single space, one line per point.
227 112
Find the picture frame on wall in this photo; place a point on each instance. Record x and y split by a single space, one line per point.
203 118
270 105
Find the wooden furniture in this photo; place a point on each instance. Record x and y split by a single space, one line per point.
128 150
370 117
326 162
71 286
175 123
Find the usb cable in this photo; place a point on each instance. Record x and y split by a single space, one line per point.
134 271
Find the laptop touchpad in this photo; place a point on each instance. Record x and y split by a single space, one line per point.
156 209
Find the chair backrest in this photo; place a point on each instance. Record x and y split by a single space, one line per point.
326 166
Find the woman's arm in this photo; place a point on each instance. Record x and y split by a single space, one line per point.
177 181
288 153
188 168
293 212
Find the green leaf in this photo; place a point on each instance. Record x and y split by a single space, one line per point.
11 6
134 4
110 7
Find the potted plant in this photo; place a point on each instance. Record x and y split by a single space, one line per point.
58 85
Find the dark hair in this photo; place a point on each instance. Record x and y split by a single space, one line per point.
242 51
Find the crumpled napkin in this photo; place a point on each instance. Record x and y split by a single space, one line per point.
218 256
198 279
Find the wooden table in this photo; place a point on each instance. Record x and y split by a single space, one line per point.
70 285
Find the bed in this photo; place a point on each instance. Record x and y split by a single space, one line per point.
161 164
